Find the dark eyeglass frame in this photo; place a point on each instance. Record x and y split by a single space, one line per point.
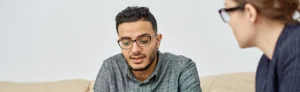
228 10
150 36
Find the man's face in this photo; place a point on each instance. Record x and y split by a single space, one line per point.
140 54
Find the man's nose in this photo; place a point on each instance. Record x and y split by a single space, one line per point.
136 49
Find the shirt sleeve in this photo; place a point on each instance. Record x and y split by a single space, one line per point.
102 80
189 80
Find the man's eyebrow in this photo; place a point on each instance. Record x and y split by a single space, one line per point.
125 37
143 34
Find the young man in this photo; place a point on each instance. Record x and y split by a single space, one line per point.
141 67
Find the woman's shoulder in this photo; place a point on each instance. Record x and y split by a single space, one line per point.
293 30
289 47
289 43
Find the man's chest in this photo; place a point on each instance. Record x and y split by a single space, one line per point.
125 84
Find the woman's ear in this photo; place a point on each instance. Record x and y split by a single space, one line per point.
251 13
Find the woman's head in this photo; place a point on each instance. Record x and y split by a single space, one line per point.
281 10
244 16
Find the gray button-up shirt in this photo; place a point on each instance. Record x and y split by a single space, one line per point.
173 73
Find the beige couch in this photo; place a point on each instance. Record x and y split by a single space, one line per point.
234 82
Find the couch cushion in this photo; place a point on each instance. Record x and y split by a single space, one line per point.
234 82
55 86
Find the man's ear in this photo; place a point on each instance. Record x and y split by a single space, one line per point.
251 13
158 40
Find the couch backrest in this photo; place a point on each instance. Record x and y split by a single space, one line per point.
55 86
233 82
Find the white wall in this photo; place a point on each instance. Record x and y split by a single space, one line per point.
45 40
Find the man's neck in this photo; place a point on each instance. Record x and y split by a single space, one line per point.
143 75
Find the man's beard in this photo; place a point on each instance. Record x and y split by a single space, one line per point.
151 60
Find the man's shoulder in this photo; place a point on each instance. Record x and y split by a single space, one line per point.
176 58
113 59
177 63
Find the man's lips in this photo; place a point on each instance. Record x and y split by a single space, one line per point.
137 60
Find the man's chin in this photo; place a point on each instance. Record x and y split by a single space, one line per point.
138 68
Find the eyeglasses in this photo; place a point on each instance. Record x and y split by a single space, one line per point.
142 41
224 12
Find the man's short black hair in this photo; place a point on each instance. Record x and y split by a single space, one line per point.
135 13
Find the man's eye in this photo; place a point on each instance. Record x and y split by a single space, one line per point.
126 43
144 41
